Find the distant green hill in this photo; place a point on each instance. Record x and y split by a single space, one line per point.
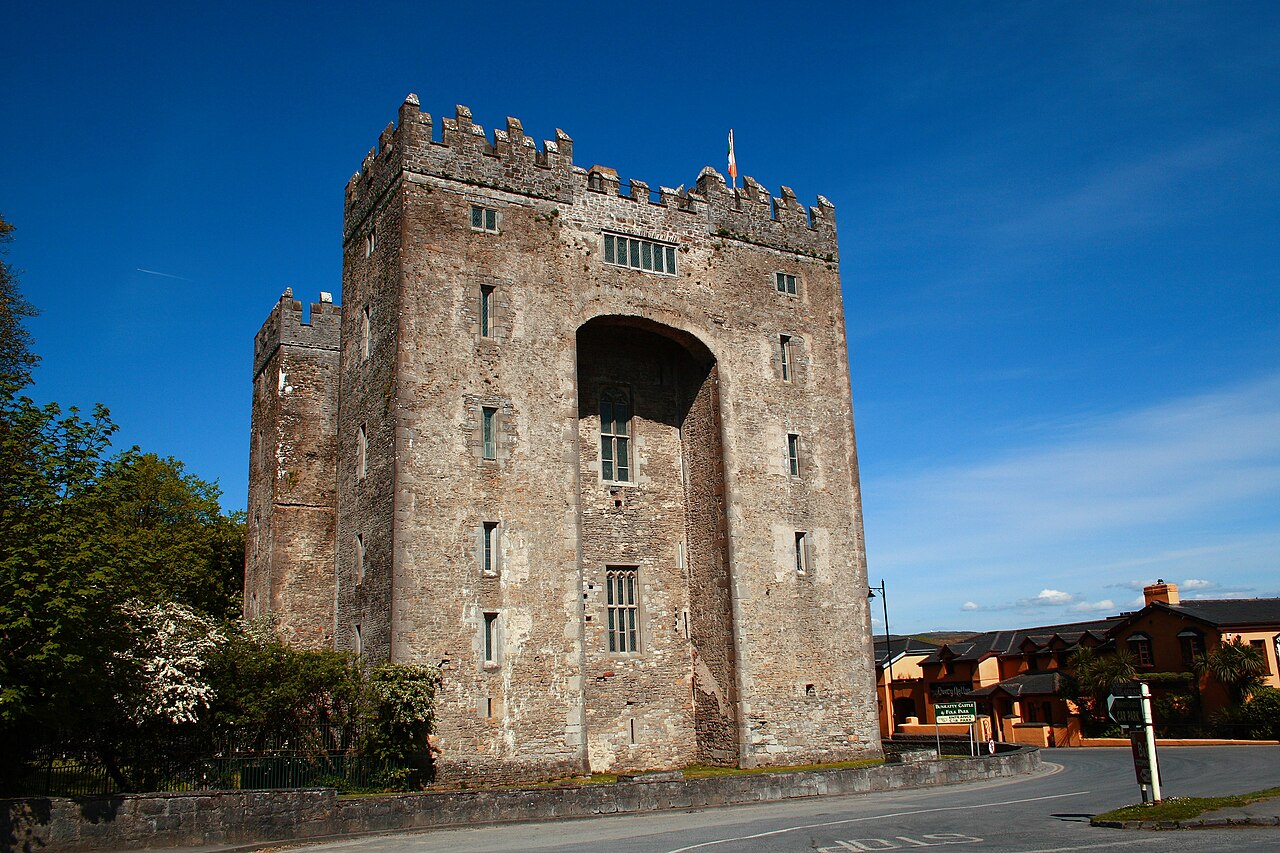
940 637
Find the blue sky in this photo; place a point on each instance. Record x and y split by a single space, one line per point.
1058 222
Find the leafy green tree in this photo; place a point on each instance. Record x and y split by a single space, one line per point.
59 592
402 716
1261 714
82 535
17 359
267 689
165 529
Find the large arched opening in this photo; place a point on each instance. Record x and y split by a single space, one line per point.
660 687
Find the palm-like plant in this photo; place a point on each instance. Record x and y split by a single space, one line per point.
1093 674
1237 666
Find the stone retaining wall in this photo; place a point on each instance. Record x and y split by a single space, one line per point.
139 821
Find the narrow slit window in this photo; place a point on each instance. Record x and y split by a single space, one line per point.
785 282
802 552
365 332
793 454
784 354
484 219
489 431
358 558
362 453
357 639
490 637
615 437
622 609
489 547
486 310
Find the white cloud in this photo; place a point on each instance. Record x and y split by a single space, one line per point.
1050 597
970 605
1196 583
1105 604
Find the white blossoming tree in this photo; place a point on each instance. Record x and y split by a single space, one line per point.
172 647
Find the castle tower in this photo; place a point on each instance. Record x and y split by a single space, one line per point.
289 559
595 459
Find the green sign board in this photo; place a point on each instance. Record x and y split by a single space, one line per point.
955 712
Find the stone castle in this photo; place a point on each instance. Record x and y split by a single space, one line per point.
589 449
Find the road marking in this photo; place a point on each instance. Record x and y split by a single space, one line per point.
871 817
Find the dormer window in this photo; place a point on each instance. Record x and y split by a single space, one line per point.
1140 645
1192 643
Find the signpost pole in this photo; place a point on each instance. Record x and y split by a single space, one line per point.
1150 731
1130 705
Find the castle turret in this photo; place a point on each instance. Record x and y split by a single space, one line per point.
292 456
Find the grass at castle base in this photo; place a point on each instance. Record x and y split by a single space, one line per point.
1185 808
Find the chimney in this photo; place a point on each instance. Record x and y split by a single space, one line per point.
1166 593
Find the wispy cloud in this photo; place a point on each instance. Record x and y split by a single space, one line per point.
1171 489
164 274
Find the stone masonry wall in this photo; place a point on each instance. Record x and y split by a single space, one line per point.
747 659
289 547
369 364
136 822
710 617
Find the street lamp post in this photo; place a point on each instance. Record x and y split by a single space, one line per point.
888 653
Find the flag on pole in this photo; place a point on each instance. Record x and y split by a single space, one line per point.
733 163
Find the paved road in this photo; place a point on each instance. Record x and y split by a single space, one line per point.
1044 813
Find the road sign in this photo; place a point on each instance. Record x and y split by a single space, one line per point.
1126 710
955 712
1141 757
1127 688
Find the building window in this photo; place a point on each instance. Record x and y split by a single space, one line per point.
358 558
491 638
362 453
639 254
784 353
484 219
802 552
365 327
1140 645
489 431
370 242
615 437
1261 646
623 612
793 454
489 549
1192 643
357 639
486 310
785 282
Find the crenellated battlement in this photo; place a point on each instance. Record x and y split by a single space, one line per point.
284 326
510 161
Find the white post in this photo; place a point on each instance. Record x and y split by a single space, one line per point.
1150 732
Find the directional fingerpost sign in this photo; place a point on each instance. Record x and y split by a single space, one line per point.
1126 710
